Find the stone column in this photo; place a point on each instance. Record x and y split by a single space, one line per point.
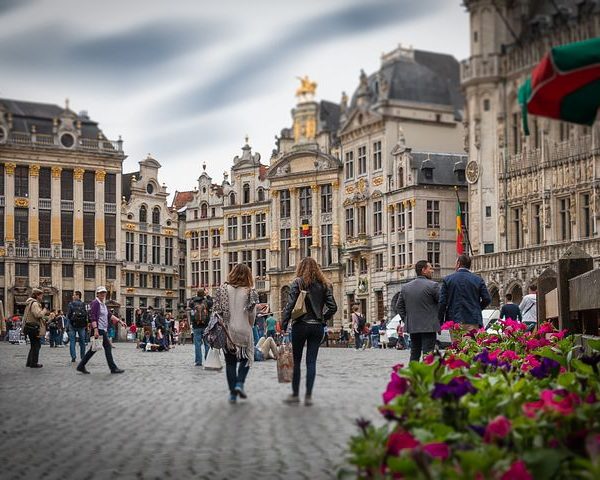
336 214
78 209
294 232
99 196
315 220
55 230
273 228
9 209
34 217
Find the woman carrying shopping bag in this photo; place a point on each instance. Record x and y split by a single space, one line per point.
235 302
309 307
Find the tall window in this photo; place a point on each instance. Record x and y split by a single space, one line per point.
464 215
44 189
232 258
21 181
261 262
195 274
89 271
326 198
326 244
169 282
349 165
216 272
362 160
349 222
216 238
261 194
204 273
155 281
1 179
364 267
143 280
89 186
305 202
261 225
565 218
44 233
400 177
393 256
143 214
285 244
247 258
401 254
401 212
350 268
156 216
410 254
586 216
232 198
517 228
203 239
232 227
377 217
284 204
433 253
204 210
433 214
246 193
305 243
129 246
379 262
246 227
129 279
169 251
155 249
409 215
110 188
194 240
536 210
89 231
143 248
516 133
392 220
110 232
377 155
66 229
362 220
66 185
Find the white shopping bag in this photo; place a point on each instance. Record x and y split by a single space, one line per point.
213 360
96 344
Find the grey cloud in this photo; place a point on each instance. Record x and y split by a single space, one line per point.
252 68
8 5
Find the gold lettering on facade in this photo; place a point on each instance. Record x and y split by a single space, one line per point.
130 226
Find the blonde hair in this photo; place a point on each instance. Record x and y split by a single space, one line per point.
240 276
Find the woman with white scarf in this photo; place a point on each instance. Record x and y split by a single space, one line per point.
236 302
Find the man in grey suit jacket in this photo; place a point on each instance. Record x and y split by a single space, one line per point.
418 307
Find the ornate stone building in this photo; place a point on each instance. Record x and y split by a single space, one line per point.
399 204
149 246
529 197
60 179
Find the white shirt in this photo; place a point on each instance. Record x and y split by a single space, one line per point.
529 307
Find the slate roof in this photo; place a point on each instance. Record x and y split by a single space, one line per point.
26 114
126 184
443 168
329 116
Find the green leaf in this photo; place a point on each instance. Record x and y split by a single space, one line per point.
566 379
543 463
582 367
402 465
594 344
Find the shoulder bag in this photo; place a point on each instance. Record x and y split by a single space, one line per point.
300 305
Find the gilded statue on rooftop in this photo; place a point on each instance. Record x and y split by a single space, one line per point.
307 87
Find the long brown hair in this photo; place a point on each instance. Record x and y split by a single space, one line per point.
310 272
240 276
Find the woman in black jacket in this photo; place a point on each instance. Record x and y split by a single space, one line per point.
308 329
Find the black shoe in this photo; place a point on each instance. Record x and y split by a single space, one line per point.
37 365
73 360
82 369
117 370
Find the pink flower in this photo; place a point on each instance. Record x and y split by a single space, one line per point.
560 401
450 325
530 362
398 366
397 386
545 327
591 398
531 408
437 450
457 363
508 356
399 441
517 471
489 340
560 335
428 359
498 428
512 325
534 344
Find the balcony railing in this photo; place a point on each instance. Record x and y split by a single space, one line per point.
89 254
44 204
66 205
45 252
110 208
67 253
156 228
110 255
479 67
581 145
22 252
53 141
89 207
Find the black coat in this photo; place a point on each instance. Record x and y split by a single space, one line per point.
320 304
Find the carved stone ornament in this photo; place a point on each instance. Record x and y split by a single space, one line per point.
502 221
9 168
34 170
100 175
477 133
472 173
2 252
56 171
349 189
21 202
378 181
130 226
78 174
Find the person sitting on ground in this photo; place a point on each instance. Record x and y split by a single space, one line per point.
266 349
162 340
147 339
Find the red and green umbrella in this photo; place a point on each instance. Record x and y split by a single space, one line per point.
565 85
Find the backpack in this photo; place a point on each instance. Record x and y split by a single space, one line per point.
200 315
79 316
362 322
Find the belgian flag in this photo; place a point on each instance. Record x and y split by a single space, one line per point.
460 249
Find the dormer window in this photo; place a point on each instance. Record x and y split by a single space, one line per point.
459 171
156 216
232 198
150 189
261 194
400 177
203 210
246 193
427 169
67 140
143 214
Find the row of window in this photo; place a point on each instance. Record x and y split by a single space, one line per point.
361 217
143 215
156 281
306 242
155 249
260 228
361 160
305 201
200 271
45 270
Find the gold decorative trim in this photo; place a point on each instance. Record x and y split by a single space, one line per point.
216 253
221 230
378 181
2 252
335 184
9 168
130 290
188 234
78 174
56 171
314 187
21 202
130 226
413 201
168 231
390 208
349 189
34 170
100 175
275 193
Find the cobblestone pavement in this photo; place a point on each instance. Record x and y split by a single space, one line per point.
166 418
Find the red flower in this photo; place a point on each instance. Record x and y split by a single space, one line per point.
428 359
450 325
560 335
498 428
517 471
531 408
545 327
399 441
509 355
560 401
530 362
437 450
397 386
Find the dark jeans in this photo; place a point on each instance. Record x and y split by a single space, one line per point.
421 342
310 334
235 375
35 345
357 340
107 352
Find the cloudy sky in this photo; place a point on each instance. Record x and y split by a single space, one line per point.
186 80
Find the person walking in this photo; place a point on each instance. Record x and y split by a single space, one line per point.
99 319
34 326
235 301
77 321
308 328
463 296
528 306
271 325
358 325
200 310
418 307
509 310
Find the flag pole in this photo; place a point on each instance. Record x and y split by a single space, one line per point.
464 230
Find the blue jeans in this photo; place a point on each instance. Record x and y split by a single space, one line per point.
235 375
107 352
80 333
198 341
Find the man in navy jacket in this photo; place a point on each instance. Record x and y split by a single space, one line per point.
463 295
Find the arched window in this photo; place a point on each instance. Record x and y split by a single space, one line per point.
232 198
400 177
156 216
204 210
246 193
143 214
261 194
